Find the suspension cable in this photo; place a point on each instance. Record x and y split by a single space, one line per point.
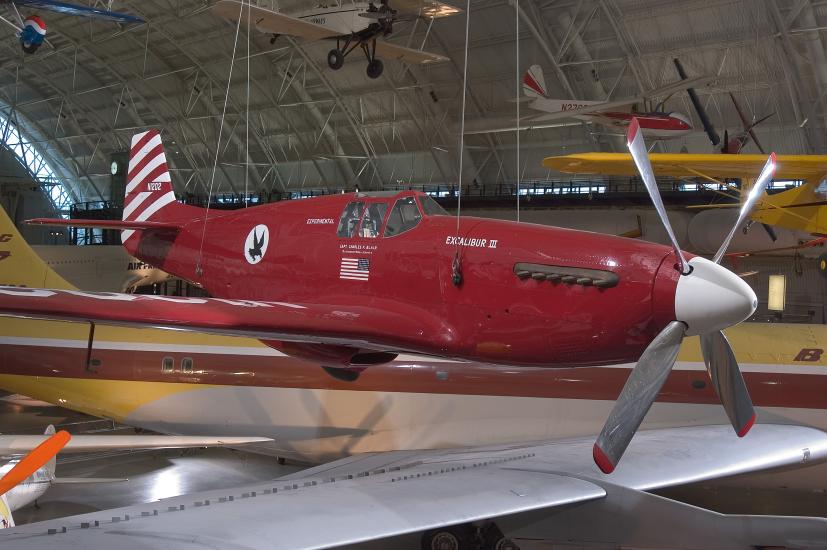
456 265
199 269
247 113
519 88
462 119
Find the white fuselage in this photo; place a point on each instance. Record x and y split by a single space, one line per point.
29 490
343 20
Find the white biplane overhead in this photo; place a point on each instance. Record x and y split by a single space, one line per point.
352 24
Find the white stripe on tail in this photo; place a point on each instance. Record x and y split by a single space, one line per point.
149 186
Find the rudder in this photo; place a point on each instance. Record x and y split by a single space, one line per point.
20 265
534 84
149 195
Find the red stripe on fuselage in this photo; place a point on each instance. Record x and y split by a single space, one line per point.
776 389
649 121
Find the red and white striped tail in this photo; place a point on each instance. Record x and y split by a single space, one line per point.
534 84
148 184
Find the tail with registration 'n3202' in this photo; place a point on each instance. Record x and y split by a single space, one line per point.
149 196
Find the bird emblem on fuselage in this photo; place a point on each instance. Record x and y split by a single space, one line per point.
255 246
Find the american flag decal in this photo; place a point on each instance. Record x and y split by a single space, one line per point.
355 269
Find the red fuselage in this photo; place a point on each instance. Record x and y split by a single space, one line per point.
528 294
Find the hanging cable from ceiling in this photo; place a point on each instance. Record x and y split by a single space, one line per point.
519 88
199 268
247 115
456 267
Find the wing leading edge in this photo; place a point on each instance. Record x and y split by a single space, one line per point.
804 167
272 22
413 329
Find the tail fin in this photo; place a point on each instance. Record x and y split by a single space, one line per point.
20 265
534 84
50 466
149 196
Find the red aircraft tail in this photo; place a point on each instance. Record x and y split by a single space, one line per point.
149 202
149 196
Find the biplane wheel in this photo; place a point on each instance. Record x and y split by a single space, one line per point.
335 59
822 265
375 68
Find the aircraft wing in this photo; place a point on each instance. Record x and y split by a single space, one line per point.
387 50
357 325
272 22
373 496
81 11
20 444
793 167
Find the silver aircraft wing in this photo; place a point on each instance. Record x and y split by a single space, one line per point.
373 496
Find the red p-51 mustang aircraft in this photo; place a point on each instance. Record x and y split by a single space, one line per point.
350 280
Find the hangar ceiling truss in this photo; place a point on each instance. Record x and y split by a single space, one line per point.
313 129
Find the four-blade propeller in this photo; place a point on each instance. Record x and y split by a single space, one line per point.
708 298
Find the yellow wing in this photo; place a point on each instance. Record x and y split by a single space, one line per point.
794 167
802 208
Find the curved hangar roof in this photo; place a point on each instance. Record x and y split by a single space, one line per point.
85 93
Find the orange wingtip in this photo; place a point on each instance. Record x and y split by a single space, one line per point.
33 461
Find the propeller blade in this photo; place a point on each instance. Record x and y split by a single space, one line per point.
748 126
728 381
637 396
634 140
770 231
33 461
754 195
699 108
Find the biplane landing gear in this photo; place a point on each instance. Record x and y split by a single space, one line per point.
335 59
375 68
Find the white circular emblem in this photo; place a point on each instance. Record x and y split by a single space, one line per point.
256 244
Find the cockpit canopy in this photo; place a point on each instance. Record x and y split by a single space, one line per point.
371 215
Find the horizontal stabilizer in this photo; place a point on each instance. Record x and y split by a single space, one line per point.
107 224
78 480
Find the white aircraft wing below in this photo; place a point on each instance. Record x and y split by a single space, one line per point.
21 444
368 497
392 51
272 22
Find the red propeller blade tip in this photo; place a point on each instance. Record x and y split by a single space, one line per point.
602 460
747 426
631 133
